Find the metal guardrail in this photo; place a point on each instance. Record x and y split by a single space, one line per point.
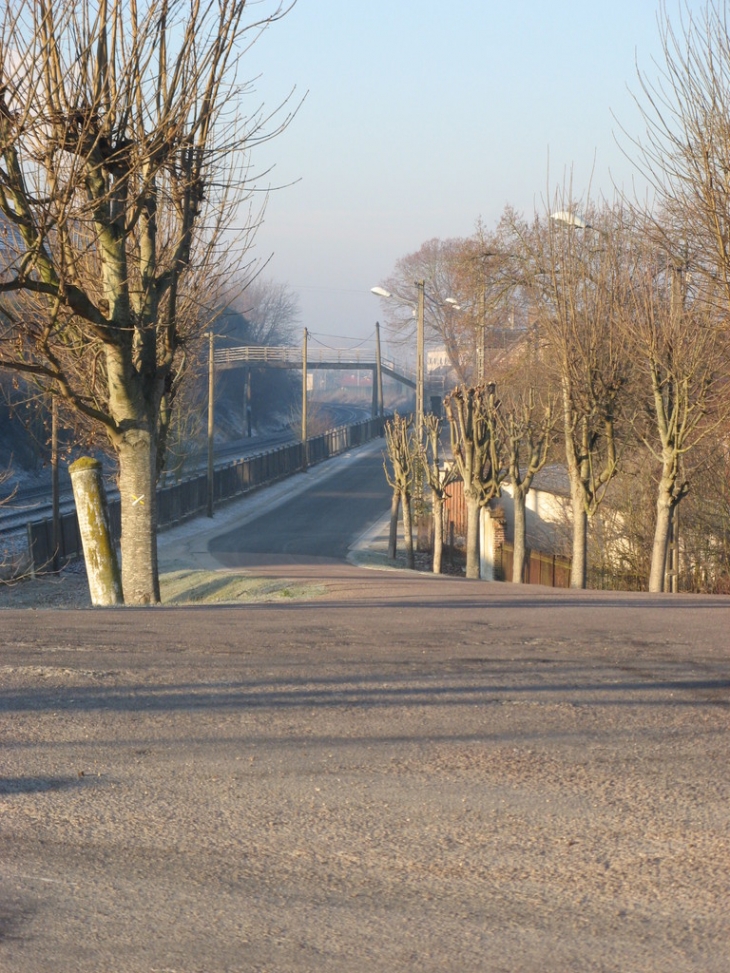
188 498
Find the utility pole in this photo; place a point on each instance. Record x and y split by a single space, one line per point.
482 350
305 458
55 503
211 421
247 401
379 368
420 343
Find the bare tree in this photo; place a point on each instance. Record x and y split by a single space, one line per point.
681 352
469 295
122 141
526 423
477 451
438 480
402 452
5 475
492 304
576 271
684 152
266 312
437 263
685 149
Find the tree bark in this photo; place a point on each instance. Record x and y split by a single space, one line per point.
661 539
408 531
579 564
472 538
518 562
137 452
576 457
438 533
393 534
119 215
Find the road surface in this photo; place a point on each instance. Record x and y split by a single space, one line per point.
319 523
406 773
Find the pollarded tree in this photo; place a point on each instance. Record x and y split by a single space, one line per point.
402 453
478 454
438 480
526 421
122 141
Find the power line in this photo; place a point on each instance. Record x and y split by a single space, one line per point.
339 337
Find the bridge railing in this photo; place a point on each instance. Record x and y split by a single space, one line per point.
290 357
188 498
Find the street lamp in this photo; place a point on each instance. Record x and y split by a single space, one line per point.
481 339
210 479
566 218
420 349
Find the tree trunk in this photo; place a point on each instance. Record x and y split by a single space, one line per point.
577 473
438 533
137 451
408 531
518 562
579 565
393 535
661 539
472 538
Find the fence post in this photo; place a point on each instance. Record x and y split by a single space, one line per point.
102 568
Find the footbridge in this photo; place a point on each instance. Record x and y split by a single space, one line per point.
261 356
345 359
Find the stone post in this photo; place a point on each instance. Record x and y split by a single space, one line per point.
102 567
491 531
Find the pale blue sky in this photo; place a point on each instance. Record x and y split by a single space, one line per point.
423 116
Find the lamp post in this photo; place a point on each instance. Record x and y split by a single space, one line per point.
579 469
55 492
305 457
420 349
420 354
211 422
378 371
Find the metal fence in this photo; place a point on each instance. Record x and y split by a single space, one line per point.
188 498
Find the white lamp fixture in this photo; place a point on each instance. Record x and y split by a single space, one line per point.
570 219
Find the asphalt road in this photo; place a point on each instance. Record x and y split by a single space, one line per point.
319 523
406 773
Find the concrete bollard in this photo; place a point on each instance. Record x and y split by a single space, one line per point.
102 567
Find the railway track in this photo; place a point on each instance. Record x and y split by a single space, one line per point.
34 502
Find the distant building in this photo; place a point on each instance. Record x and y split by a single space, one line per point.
437 358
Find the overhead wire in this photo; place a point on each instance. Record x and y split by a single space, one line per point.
314 336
